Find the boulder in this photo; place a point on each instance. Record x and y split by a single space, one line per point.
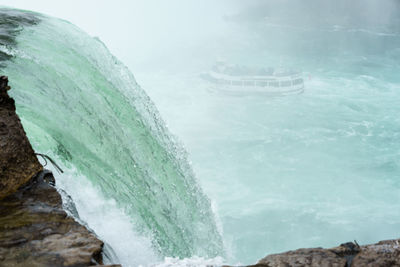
313 257
382 254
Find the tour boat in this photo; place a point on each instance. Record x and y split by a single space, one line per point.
243 80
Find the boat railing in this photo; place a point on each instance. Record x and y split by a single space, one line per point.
258 81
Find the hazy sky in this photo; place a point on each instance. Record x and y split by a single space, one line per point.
149 33
136 31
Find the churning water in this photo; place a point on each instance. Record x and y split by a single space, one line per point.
314 169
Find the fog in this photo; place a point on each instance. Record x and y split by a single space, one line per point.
156 35
308 170
139 32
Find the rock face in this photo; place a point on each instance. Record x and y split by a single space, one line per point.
36 231
34 228
382 254
18 163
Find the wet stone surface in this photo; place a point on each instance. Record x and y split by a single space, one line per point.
18 163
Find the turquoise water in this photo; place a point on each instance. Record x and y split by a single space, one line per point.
316 169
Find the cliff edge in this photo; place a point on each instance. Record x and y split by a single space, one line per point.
34 228
18 163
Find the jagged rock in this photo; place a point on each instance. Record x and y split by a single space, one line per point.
36 231
382 254
305 257
18 163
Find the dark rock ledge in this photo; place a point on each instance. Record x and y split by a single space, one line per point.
382 254
34 228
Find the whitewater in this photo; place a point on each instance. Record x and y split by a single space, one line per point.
264 175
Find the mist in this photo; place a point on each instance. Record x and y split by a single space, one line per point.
164 35
311 169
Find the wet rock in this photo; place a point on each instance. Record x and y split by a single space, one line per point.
36 231
304 257
18 163
382 254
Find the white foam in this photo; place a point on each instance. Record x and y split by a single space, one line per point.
189 262
108 221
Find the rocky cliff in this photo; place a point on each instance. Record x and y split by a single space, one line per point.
18 163
34 228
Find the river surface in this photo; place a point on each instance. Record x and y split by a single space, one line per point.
314 169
